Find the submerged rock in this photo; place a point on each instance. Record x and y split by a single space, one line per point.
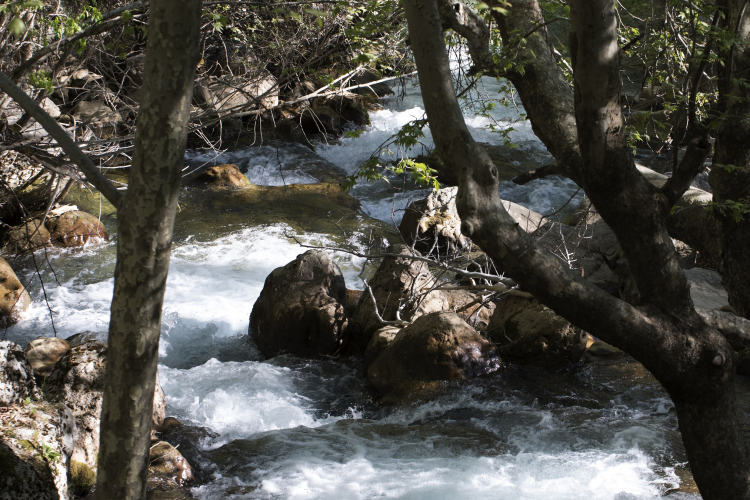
223 175
438 346
78 381
14 299
44 352
301 308
528 331
76 228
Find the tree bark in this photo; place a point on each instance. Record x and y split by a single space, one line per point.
692 360
730 175
144 225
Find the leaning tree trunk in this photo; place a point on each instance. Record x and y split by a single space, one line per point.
144 225
693 361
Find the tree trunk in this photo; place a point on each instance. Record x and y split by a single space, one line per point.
730 175
144 232
693 361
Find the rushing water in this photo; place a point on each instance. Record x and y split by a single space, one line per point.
291 428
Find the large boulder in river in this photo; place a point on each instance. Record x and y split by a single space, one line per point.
438 346
16 375
301 308
404 288
394 286
14 299
526 330
76 228
78 381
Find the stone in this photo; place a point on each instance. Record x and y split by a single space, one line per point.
437 346
603 350
377 90
693 196
394 285
78 381
706 288
242 94
76 228
27 238
321 120
380 339
434 223
527 331
223 175
33 457
436 216
167 469
96 113
301 308
44 352
14 299
350 107
16 375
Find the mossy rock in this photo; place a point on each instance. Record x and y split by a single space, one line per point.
82 478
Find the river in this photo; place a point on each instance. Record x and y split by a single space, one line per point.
288 428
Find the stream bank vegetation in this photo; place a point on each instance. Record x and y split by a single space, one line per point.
643 77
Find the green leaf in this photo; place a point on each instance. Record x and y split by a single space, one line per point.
16 26
127 16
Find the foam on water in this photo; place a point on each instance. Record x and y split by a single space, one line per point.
211 289
238 399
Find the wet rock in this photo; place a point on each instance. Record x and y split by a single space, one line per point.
526 330
223 175
706 288
376 90
16 375
321 120
33 457
603 350
167 469
78 381
26 238
44 352
381 339
352 299
350 107
438 346
394 285
83 337
76 228
434 223
301 308
14 299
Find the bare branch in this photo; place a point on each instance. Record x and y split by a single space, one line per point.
93 175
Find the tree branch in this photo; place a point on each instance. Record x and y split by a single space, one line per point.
691 165
93 175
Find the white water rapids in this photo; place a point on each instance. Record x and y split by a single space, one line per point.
298 429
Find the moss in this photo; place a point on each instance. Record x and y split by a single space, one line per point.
82 478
